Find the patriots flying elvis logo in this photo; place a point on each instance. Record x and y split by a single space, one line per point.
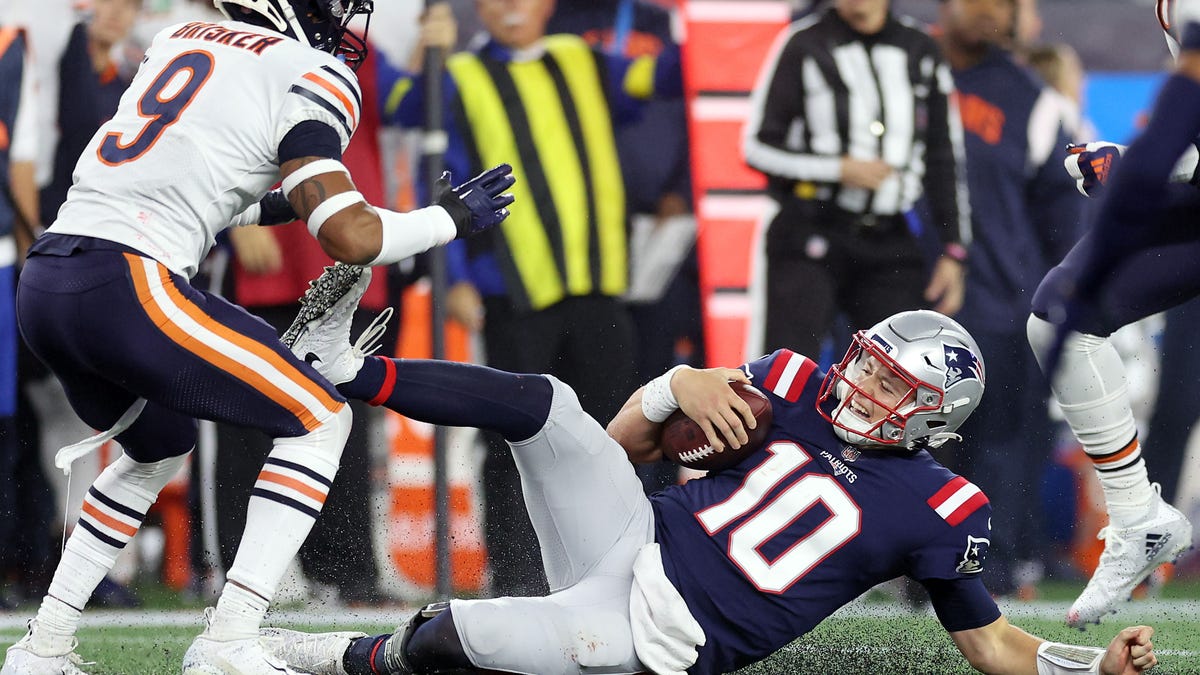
961 365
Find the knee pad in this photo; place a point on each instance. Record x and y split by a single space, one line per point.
319 450
329 439
1090 387
144 480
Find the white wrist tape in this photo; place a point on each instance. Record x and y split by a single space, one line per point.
250 216
1056 658
658 402
331 206
407 234
309 170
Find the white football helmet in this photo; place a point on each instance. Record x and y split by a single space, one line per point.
320 24
932 356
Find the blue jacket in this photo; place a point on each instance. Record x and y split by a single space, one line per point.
1026 213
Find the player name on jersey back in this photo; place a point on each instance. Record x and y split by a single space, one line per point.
211 32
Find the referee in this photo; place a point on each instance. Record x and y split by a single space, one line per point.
851 121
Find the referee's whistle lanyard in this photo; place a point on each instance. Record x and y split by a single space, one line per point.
622 26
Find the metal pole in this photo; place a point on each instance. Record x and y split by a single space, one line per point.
434 149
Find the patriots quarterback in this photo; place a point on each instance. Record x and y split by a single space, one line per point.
722 571
1138 260
217 114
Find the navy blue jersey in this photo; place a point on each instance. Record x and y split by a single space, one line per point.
1025 213
764 551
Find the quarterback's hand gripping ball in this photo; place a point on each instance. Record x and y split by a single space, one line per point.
684 443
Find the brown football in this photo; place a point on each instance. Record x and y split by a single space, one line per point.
684 443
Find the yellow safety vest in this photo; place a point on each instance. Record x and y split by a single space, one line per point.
549 118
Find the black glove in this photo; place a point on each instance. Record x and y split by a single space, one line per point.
478 204
276 209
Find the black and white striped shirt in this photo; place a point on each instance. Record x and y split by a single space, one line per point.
827 91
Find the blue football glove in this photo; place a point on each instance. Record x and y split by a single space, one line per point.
1091 165
478 204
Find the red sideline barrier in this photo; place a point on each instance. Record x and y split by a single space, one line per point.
726 43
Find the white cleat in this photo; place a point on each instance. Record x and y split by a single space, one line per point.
23 659
315 653
1130 555
320 334
233 657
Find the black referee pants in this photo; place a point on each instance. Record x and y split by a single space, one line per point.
824 262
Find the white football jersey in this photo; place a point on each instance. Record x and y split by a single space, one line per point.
195 139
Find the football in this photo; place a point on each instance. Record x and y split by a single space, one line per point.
684 442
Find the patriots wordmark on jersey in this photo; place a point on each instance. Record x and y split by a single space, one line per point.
765 550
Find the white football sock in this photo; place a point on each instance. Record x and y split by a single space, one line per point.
112 512
1091 390
285 501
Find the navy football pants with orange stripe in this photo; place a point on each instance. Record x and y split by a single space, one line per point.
115 326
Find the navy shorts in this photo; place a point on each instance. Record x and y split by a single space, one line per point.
114 326
1157 273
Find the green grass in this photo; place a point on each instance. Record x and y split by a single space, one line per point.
876 637
895 645
917 645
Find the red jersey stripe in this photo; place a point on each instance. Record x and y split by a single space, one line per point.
948 489
788 375
968 507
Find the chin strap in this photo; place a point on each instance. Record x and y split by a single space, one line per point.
939 439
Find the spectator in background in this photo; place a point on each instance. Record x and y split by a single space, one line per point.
18 220
852 123
91 80
1025 216
546 288
340 551
658 191
1059 66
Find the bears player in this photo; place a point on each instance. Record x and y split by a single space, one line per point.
217 114
719 572
1137 261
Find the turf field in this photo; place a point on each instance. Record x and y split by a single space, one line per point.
863 639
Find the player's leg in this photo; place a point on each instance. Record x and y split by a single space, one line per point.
117 501
1091 390
583 629
200 357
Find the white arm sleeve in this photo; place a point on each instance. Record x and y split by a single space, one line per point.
407 234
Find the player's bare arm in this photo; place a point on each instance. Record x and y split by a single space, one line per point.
636 434
353 234
1004 649
349 229
703 395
